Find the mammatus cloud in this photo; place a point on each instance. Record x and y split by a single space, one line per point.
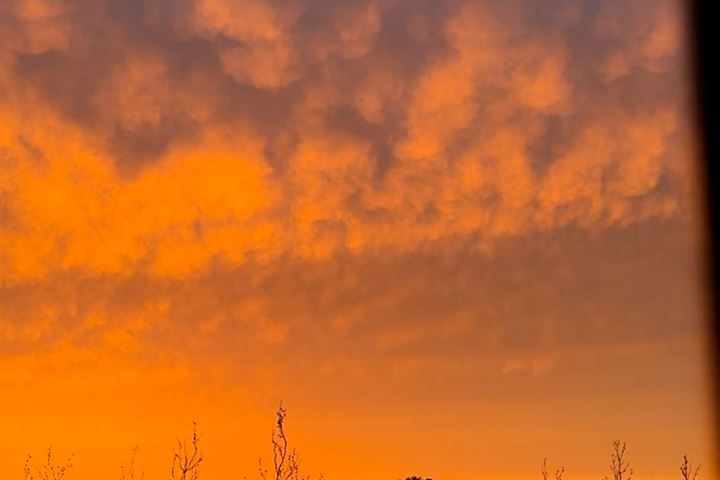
271 137
348 205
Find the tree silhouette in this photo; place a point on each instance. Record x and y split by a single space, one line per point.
50 470
544 472
186 460
128 473
686 469
286 462
619 466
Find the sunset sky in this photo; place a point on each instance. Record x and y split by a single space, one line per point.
453 237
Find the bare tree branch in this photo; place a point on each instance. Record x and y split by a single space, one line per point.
186 461
49 470
128 473
619 466
686 469
286 462
544 471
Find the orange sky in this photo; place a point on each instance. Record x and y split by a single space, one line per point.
455 237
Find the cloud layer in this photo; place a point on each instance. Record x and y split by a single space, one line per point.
162 136
405 217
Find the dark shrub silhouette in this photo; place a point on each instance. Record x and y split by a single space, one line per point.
49 470
687 471
619 466
186 460
544 472
286 462
128 472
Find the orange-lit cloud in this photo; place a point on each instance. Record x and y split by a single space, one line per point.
342 203
465 156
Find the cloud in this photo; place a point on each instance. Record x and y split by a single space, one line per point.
454 152
371 199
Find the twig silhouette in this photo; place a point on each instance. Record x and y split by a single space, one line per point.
686 469
49 470
129 472
286 462
186 461
544 472
619 466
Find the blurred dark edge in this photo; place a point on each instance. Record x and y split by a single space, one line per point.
704 40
